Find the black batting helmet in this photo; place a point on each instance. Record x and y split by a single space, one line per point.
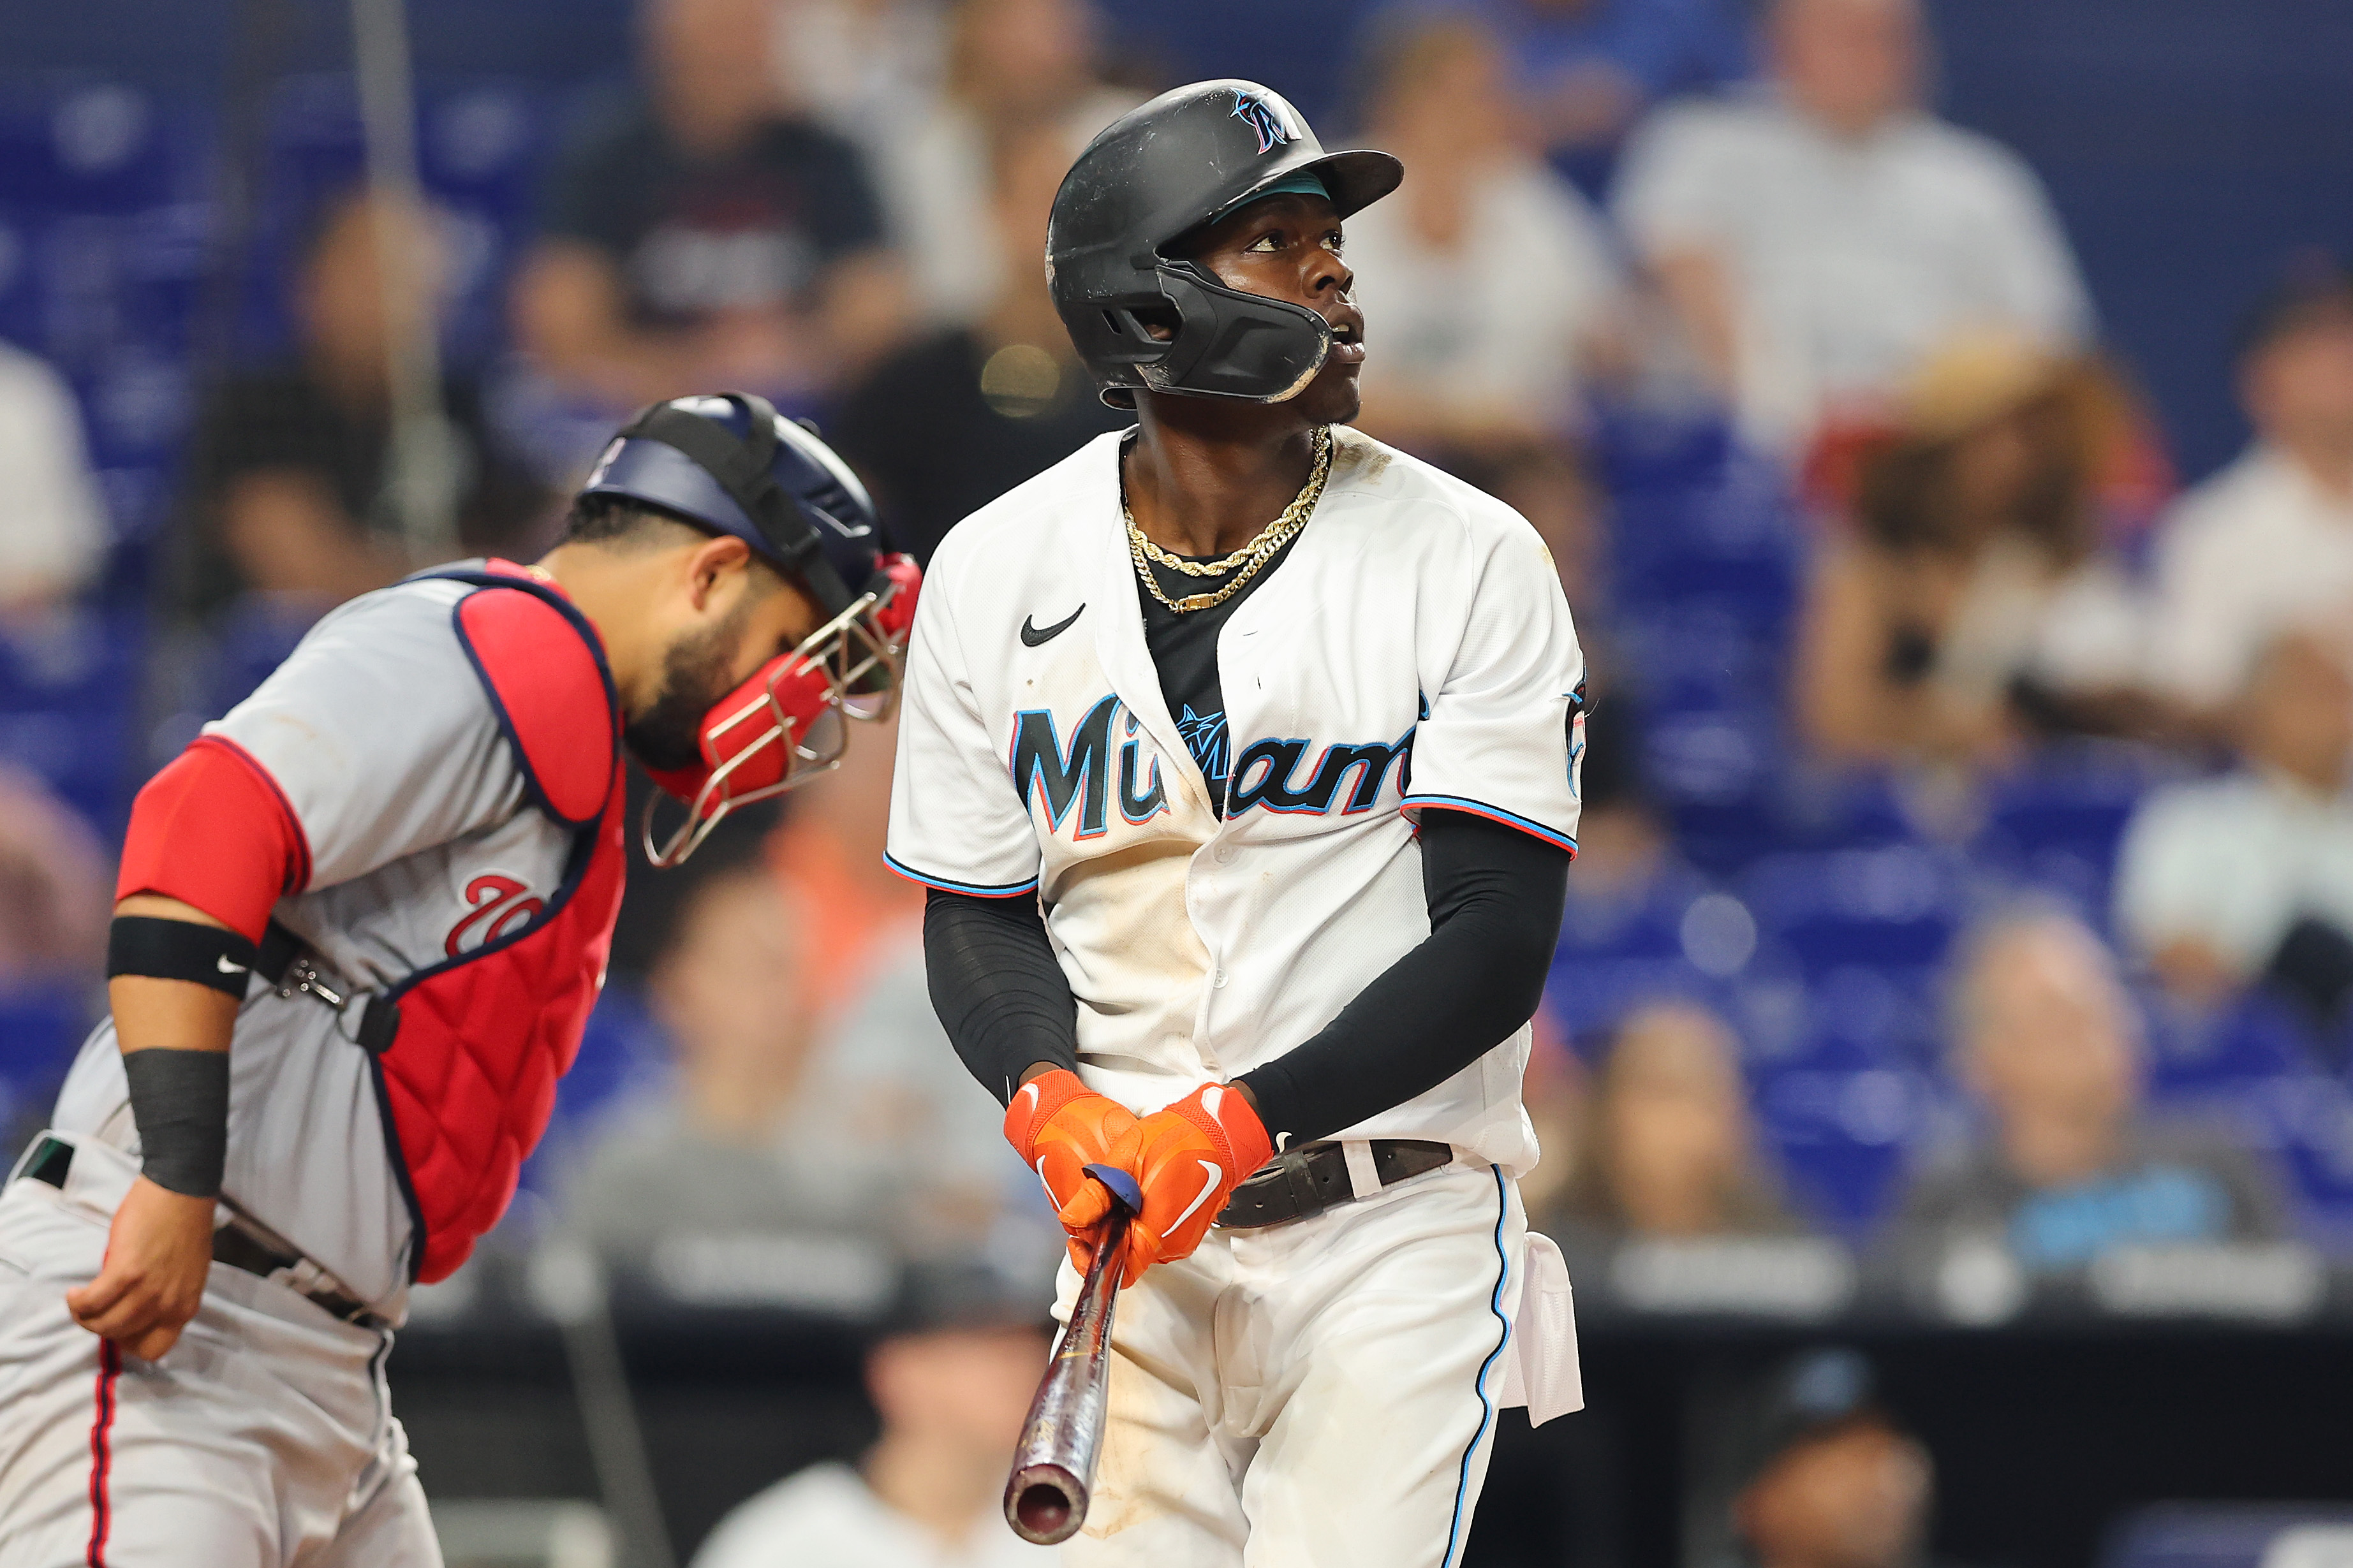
1187 157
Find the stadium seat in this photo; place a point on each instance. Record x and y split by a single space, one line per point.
2232 1535
69 691
40 1028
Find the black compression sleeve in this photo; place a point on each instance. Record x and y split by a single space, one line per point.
999 989
1495 896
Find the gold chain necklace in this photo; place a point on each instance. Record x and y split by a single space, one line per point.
1247 561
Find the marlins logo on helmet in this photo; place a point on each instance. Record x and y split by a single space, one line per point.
1264 118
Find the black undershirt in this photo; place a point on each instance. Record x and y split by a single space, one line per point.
1184 649
1493 893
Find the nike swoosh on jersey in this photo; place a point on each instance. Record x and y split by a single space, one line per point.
1213 1175
221 962
1034 635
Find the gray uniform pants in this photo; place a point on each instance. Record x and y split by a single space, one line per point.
264 1438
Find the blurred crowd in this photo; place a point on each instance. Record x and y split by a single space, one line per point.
1620 216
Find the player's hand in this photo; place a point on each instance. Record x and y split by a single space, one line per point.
152 1280
1189 1158
1061 1126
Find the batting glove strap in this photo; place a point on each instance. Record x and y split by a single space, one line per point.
1033 1106
1224 1113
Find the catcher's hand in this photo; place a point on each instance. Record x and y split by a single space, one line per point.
1061 1127
1189 1158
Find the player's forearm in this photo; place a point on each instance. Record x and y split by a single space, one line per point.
1495 897
997 988
176 978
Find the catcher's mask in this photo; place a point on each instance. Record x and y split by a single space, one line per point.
731 465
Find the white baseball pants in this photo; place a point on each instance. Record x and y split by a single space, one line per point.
264 1438
1317 1393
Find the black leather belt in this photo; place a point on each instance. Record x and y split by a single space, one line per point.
1305 1181
240 1244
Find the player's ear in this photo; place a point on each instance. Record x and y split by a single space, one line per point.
713 561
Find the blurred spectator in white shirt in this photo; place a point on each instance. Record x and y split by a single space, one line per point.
1817 241
950 1378
1488 283
709 235
54 535
855 63
1974 600
2266 545
1008 63
2069 1166
2222 881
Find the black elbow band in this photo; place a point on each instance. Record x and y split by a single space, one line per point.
180 1101
179 950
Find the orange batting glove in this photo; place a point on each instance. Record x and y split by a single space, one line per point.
1189 1158
1061 1127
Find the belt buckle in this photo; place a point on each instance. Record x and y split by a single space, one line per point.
303 976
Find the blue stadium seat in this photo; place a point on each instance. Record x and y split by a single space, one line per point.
1895 907
104 234
1840 1118
68 692
2227 1535
2060 821
623 1059
40 1028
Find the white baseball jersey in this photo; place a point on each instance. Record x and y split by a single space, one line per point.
382 740
1413 649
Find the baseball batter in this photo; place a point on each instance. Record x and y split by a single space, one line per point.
1240 757
363 920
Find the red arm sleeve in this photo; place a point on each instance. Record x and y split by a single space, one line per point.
213 830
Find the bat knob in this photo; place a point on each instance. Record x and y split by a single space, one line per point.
1123 1186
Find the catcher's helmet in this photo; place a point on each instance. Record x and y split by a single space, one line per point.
732 464
1187 157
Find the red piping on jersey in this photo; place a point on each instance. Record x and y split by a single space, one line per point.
101 1452
215 831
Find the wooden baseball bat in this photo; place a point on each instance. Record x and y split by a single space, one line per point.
1053 1473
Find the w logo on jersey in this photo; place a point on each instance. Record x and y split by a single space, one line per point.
500 904
1264 119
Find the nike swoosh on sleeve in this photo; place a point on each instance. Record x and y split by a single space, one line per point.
221 962
1213 1175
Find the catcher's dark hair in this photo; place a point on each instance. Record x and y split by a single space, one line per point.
618 520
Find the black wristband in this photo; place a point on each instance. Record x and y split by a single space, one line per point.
179 950
180 1101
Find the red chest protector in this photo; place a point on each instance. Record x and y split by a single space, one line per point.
466 1079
